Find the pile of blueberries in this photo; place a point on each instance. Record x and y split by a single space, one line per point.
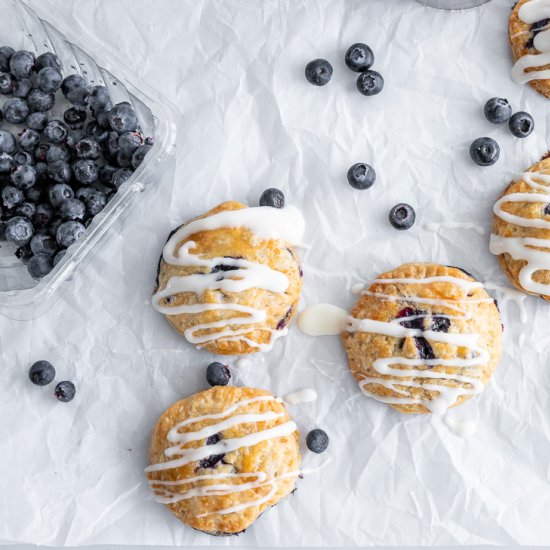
56 175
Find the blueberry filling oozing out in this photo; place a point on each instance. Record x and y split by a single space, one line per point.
425 351
224 267
213 439
411 323
213 460
535 29
547 210
284 321
440 324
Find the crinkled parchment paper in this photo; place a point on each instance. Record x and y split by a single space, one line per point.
73 473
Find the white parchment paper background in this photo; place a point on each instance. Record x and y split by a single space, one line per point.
73 473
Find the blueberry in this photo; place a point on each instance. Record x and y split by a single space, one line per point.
40 101
99 99
440 324
26 209
19 230
402 216
8 144
59 193
75 117
318 72
71 82
82 193
370 83
22 64
34 194
22 87
29 140
272 197
73 138
102 119
425 350
120 176
58 152
106 174
11 197
16 110
417 323
43 216
5 55
95 201
7 84
69 232
122 118
24 253
56 131
22 157
49 79
41 152
54 226
361 176
59 171
484 151
317 440
497 110
128 142
42 373
43 244
110 148
359 57
218 374
88 148
6 163
58 257
37 121
72 209
95 130
521 124
39 266
65 391
23 177
85 171
139 155
47 59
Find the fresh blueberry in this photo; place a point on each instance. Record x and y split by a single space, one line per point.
49 79
110 147
41 152
23 177
317 441
7 84
122 118
88 148
43 244
5 55
23 253
272 197
56 131
370 83
22 64
402 216
497 110
58 257
73 138
318 72
59 193
59 171
484 151
102 119
85 171
41 169
98 132
361 176
58 152
39 266
16 110
106 174
37 121
75 89
26 209
8 144
6 163
54 226
22 157
99 99
43 216
75 117
83 192
40 101
11 197
218 374
72 209
34 194
139 155
95 201
521 124
42 373
127 144
47 59
359 57
69 232
22 87
18 230
29 140
65 391
120 176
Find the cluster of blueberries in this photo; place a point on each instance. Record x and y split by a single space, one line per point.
218 374
56 175
42 373
485 151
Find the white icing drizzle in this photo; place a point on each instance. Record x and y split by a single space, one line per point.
532 12
436 226
265 222
520 248
395 379
307 395
322 320
507 293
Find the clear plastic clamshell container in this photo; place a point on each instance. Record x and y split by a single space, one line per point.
24 26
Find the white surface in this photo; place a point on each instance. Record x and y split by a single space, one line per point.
73 473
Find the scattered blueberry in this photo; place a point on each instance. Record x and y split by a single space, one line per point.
85 171
122 118
69 232
218 374
359 57
40 101
37 121
402 216
361 176
56 131
49 79
16 110
521 124
59 193
23 177
484 151
65 391
370 83
318 72
42 373
22 87
59 171
72 209
11 197
29 140
7 84
75 117
317 440
5 55
272 197
18 230
22 64
497 110
43 244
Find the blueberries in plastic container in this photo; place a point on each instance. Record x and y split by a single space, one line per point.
85 171
8 143
43 216
99 99
22 64
58 257
120 176
6 53
37 121
29 140
22 87
47 59
95 130
95 201
69 232
43 244
56 131
40 101
122 118
16 110
41 152
88 148
139 154
59 193
7 83
106 174
72 209
318 72
75 117
49 79
59 171
75 90
23 177
22 157
39 266
18 230
6 163
26 209
11 197
58 152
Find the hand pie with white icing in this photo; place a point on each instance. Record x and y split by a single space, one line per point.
221 457
423 338
521 231
529 31
230 280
